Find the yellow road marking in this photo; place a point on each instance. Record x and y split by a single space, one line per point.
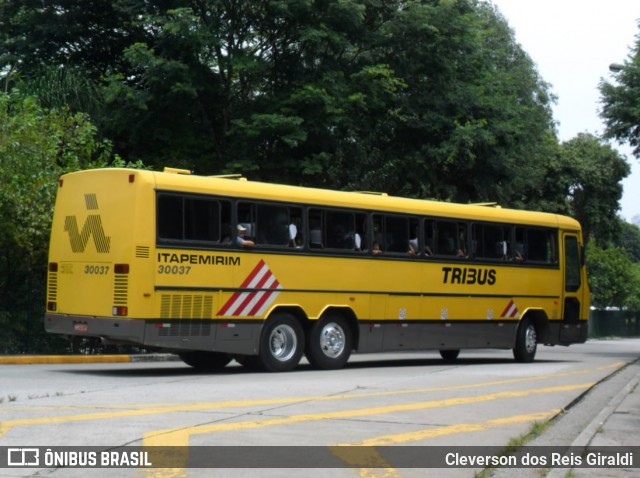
396 438
158 409
366 453
350 454
180 436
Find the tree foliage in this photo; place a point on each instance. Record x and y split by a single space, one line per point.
36 147
621 102
421 98
629 239
613 279
593 174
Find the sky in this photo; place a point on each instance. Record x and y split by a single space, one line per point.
573 42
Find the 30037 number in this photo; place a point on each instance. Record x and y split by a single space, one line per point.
96 270
175 270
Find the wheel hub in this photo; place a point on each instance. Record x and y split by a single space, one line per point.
332 340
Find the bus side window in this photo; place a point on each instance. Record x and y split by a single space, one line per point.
315 229
273 225
247 219
397 234
414 237
193 219
463 246
429 242
361 239
169 217
446 238
378 243
520 252
201 220
489 241
340 230
296 227
536 245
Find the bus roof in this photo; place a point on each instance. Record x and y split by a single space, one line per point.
240 187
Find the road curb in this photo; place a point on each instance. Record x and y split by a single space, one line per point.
595 426
60 359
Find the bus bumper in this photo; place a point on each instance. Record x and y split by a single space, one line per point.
567 333
240 337
122 331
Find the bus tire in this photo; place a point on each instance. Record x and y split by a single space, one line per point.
329 345
449 355
526 342
206 361
281 343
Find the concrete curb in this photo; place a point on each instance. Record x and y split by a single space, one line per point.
595 426
59 359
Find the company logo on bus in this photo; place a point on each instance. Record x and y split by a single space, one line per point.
259 290
92 228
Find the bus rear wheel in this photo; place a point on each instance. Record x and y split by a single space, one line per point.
329 344
526 342
281 344
207 361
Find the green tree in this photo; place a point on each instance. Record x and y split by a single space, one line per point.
611 276
89 35
629 239
633 301
422 98
36 147
592 174
621 102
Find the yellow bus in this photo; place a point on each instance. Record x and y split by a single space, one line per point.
222 268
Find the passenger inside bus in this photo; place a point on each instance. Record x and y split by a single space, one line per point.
240 238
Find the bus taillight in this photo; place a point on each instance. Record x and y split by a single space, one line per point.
52 306
121 268
120 310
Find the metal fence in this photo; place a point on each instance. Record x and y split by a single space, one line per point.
614 323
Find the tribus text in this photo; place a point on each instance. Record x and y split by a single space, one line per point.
469 276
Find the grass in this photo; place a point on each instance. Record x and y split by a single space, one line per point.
536 429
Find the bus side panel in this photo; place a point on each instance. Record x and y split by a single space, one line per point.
205 335
433 335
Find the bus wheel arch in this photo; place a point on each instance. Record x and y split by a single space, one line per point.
532 329
281 342
332 338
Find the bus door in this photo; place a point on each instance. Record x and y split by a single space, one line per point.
574 288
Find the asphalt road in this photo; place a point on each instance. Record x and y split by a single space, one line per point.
412 399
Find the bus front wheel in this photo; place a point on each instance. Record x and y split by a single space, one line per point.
281 344
526 342
208 361
329 345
